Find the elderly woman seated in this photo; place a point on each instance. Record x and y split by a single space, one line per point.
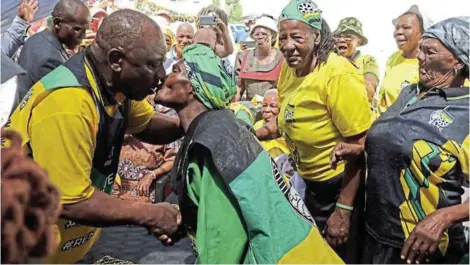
269 112
417 158
221 172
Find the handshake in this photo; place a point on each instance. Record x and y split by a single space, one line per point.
163 220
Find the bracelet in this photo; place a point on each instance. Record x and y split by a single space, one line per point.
154 176
344 207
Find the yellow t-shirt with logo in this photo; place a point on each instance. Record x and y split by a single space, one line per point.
319 110
367 65
276 147
399 73
60 129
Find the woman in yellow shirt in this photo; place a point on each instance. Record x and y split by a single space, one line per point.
323 101
402 66
269 112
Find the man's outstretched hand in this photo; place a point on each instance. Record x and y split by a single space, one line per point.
163 221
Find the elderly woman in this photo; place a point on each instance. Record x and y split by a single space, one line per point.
348 37
269 112
402 66
316 90
221 172
258 69
417 158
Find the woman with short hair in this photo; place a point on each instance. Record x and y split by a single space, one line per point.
402 66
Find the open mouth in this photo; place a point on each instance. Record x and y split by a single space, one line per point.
342 47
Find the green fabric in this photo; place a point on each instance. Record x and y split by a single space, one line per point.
210 79
285 229
303 10
60 77
220 236
351 25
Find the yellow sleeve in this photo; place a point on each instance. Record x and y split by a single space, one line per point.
140 115
63 144
464 157
371 66
348 105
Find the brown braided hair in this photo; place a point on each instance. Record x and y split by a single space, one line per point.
212 9
30 205
326 45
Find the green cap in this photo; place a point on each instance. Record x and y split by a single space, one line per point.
303 10
351 25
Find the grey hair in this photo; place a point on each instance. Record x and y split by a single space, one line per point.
273 90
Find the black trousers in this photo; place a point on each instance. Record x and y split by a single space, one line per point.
321 198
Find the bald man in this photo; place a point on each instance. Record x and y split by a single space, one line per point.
73 123
46 50
184 37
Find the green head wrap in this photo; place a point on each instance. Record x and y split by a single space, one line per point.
302 10
210 77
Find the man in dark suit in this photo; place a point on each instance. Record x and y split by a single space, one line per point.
46 50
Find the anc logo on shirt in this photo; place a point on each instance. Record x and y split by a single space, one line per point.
26 98
441 119
292 195
289 113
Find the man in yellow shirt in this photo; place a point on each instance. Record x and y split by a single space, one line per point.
73 123
348 38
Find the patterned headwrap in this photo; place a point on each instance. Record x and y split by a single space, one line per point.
303 10
210 77
454 33
170 34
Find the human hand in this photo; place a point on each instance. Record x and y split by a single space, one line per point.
27 9
170 154
143 187
337 228
423 241
221 28
163 221
343 151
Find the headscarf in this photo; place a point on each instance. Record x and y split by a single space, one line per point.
170 34
454 33
303 10
209 76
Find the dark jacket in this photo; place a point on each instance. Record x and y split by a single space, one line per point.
41 54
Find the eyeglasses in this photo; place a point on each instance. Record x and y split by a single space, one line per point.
346 37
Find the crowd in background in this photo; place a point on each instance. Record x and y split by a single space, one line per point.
380 162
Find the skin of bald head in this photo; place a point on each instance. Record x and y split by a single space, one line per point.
70 20
130 49
184 37
206 36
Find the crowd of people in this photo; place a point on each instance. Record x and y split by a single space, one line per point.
295 150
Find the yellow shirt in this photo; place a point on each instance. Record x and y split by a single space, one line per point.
366 64
276 147
319 110
59 128
399 73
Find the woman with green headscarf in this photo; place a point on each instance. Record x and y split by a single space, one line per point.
323 101
234 203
